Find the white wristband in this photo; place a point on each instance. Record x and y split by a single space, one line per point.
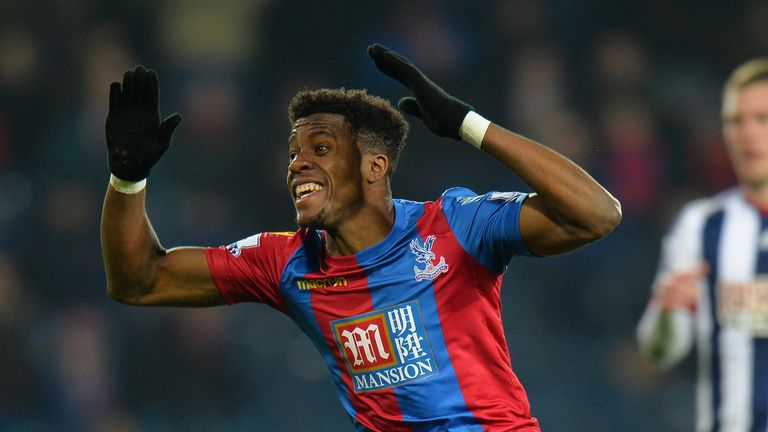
127 187
473 128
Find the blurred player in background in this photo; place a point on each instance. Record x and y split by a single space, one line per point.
401 298
712 284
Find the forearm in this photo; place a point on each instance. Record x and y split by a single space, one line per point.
129 245
571 209
665 336
139 271
569 194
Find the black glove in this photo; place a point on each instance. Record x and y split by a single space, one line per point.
440 112
136 139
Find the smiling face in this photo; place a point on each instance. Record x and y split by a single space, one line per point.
324 175
745 128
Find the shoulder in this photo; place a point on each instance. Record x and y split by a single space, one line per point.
464 197
457 192
695 213
702 208
446 201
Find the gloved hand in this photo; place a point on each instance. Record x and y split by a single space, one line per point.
440 112
136 138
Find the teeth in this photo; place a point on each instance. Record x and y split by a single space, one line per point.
307 188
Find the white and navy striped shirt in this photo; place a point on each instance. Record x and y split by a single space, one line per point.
730 323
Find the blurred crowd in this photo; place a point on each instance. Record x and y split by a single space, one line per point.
629 90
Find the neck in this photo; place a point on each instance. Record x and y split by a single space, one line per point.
369 226
757 196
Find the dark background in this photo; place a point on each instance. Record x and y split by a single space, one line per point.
629 90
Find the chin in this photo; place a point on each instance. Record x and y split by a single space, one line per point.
753 175
303 223
309 222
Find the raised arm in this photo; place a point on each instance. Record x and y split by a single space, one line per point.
139 270
569 208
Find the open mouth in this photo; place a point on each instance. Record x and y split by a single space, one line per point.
305 190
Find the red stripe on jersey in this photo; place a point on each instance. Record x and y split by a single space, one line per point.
377 410
468 297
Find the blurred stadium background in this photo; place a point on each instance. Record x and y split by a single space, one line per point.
629 90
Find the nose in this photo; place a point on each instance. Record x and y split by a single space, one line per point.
748 130
299 163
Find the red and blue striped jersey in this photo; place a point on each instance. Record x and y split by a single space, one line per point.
410 328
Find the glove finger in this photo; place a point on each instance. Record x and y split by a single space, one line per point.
393 64
390 63
167 127
139 83
114 96
128 86
409 105
152 89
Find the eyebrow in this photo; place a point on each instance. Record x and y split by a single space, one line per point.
314 133
311 134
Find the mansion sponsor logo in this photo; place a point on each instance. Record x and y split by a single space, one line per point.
744 306
310 284
385 348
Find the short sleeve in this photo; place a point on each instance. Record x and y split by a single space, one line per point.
487 226
249 270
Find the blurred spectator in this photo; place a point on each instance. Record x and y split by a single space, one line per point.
83 382
22 399
710 287
635 160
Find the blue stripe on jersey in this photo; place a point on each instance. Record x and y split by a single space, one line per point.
442 394
712 229
303 315
760 356
760 386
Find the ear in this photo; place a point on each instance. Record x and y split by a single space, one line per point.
375 167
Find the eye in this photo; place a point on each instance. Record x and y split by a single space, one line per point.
732 121
293 154
321 149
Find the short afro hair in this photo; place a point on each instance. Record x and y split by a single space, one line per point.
375 125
